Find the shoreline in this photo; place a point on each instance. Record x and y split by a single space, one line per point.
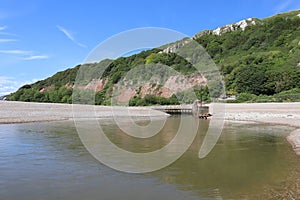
294 139
286 114
28 112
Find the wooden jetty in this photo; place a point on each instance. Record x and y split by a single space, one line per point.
174 109
196 109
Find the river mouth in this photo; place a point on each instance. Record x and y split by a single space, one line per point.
48 161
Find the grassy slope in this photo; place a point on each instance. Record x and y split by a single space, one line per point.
259 63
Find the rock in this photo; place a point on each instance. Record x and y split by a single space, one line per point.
202 33
96 84
241 25
172 85
172 48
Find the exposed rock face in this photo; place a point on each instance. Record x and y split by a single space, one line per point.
298 15
172 48
180 83
49 88
46 89
96 85
42 90
126 91
69 86
233 27
202 33
174 84
125 94
241 25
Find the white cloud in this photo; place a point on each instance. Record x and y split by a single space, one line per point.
36 57
21 54
15 51
9 34
66 32
7 40
26 55
69 36
9 84
80 44
2 28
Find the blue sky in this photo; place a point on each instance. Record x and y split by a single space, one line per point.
40 37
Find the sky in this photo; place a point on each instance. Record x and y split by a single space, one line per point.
41 37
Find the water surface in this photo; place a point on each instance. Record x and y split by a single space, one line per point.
48 161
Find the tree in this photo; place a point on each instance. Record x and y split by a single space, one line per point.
251 79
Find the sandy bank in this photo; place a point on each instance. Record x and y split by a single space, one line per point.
273 113
23 112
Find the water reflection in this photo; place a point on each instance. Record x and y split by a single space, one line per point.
246 159
48 161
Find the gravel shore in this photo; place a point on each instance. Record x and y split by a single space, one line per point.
24 112
287 114
272 113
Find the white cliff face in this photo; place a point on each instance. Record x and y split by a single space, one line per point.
172 48
202 33
217 31
298 15
241 25
244 23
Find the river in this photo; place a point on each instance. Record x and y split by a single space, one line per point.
48 161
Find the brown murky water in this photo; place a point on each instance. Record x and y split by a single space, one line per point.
48 161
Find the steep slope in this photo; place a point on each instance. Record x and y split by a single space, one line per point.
260 60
